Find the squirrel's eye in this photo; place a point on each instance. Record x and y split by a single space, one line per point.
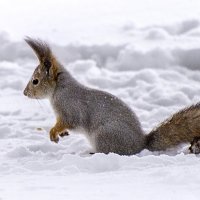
35 81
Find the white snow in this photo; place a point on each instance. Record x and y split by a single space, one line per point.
145 52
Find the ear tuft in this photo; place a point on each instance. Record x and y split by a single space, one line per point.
47 65
41 49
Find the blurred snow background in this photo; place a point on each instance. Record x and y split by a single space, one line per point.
145 52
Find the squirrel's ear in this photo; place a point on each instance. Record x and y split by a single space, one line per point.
47 65
41 49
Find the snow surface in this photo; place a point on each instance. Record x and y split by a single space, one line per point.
145 52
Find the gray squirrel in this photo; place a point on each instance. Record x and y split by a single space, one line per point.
108 123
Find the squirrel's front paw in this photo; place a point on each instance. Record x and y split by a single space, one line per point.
54 136
63 134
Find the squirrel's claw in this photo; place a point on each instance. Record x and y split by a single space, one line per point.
54 136
63 134
54 139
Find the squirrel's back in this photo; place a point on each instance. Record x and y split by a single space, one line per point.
182 127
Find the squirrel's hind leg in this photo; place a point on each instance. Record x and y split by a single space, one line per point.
112 140
195 146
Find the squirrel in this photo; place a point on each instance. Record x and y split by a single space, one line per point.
108 123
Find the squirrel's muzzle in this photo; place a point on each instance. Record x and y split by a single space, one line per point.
25 92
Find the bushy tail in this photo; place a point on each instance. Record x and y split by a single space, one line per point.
182 127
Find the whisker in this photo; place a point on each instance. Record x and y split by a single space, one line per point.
42 107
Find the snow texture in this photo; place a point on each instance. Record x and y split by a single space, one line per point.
146 53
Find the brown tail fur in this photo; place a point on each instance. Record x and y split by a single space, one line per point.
182 127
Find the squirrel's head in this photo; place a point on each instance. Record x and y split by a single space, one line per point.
43 80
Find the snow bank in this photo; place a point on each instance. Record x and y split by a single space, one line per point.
149 47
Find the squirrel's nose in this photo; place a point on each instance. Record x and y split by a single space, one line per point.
25 92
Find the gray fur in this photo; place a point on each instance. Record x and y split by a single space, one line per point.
109 123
